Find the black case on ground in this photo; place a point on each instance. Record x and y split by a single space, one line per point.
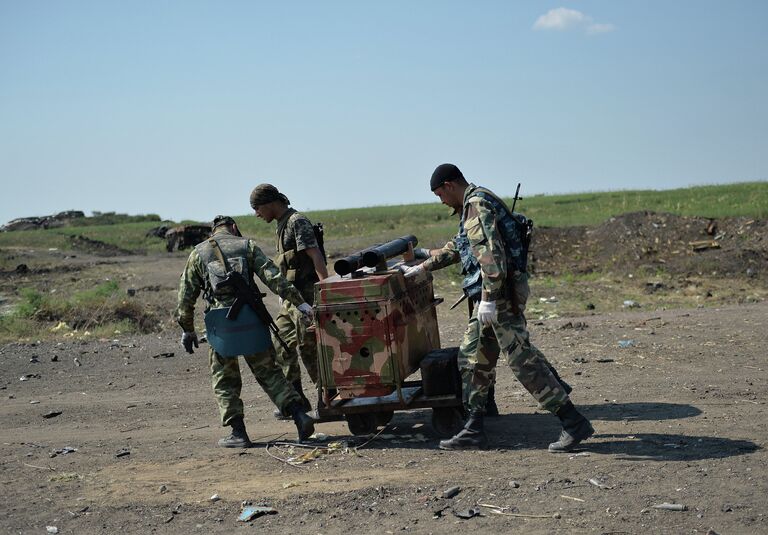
440 372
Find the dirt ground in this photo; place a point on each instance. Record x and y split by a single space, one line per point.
676 395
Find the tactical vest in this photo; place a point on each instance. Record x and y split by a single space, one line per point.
515 230
296 266
246 334
235 250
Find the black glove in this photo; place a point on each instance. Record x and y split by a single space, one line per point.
188 340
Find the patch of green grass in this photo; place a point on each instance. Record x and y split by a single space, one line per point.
99 310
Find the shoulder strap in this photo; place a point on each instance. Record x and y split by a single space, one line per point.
219 254
498 199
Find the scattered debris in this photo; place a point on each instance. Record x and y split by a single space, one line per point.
626 343
571 498
77 361
28 376
122 452
629 303
469 513
604 360
451 492
514 484
52 414
253 511
51 529
670 506
599 485
55 358
33 359
164 355
703 245
438 513
63 451
495 509
163 489
215 498
552 299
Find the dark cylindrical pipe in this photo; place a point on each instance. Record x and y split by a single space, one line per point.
348 264
375 255
372 256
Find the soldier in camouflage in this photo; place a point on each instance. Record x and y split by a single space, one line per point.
203 269
491 248
302 262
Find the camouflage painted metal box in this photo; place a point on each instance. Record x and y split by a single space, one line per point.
373 330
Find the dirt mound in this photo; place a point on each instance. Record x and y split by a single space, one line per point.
650 242
96 247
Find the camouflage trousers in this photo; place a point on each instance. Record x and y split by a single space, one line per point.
480 350
294 332
227 382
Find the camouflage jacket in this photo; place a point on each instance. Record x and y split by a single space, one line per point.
195 279
294 234
479 223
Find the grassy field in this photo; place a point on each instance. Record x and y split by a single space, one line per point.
355 228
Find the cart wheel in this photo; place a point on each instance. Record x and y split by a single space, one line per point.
361 424
447 421
383 418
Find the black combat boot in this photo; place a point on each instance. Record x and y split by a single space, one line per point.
305 425
472 437
238 438
491 409
568 388
280 415
575 429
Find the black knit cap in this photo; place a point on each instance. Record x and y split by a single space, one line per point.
445 172
220 220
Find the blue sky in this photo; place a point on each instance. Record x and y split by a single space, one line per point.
181 107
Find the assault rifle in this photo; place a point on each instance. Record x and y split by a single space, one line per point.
247 295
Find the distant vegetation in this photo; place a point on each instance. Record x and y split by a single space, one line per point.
353 228
112 218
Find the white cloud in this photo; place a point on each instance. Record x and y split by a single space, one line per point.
600 28
562 18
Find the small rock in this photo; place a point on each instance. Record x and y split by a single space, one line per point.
55 358
77 361
52 414
514 484
51 529
163 489
451 492
629 303
215 498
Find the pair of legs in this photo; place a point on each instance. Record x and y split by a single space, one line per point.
293 331
227 384
478 355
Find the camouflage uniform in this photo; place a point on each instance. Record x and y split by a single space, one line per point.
480 237
225 372
294 234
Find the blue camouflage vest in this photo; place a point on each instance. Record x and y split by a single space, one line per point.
515 230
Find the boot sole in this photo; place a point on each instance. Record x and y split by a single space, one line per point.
462 448
575 443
